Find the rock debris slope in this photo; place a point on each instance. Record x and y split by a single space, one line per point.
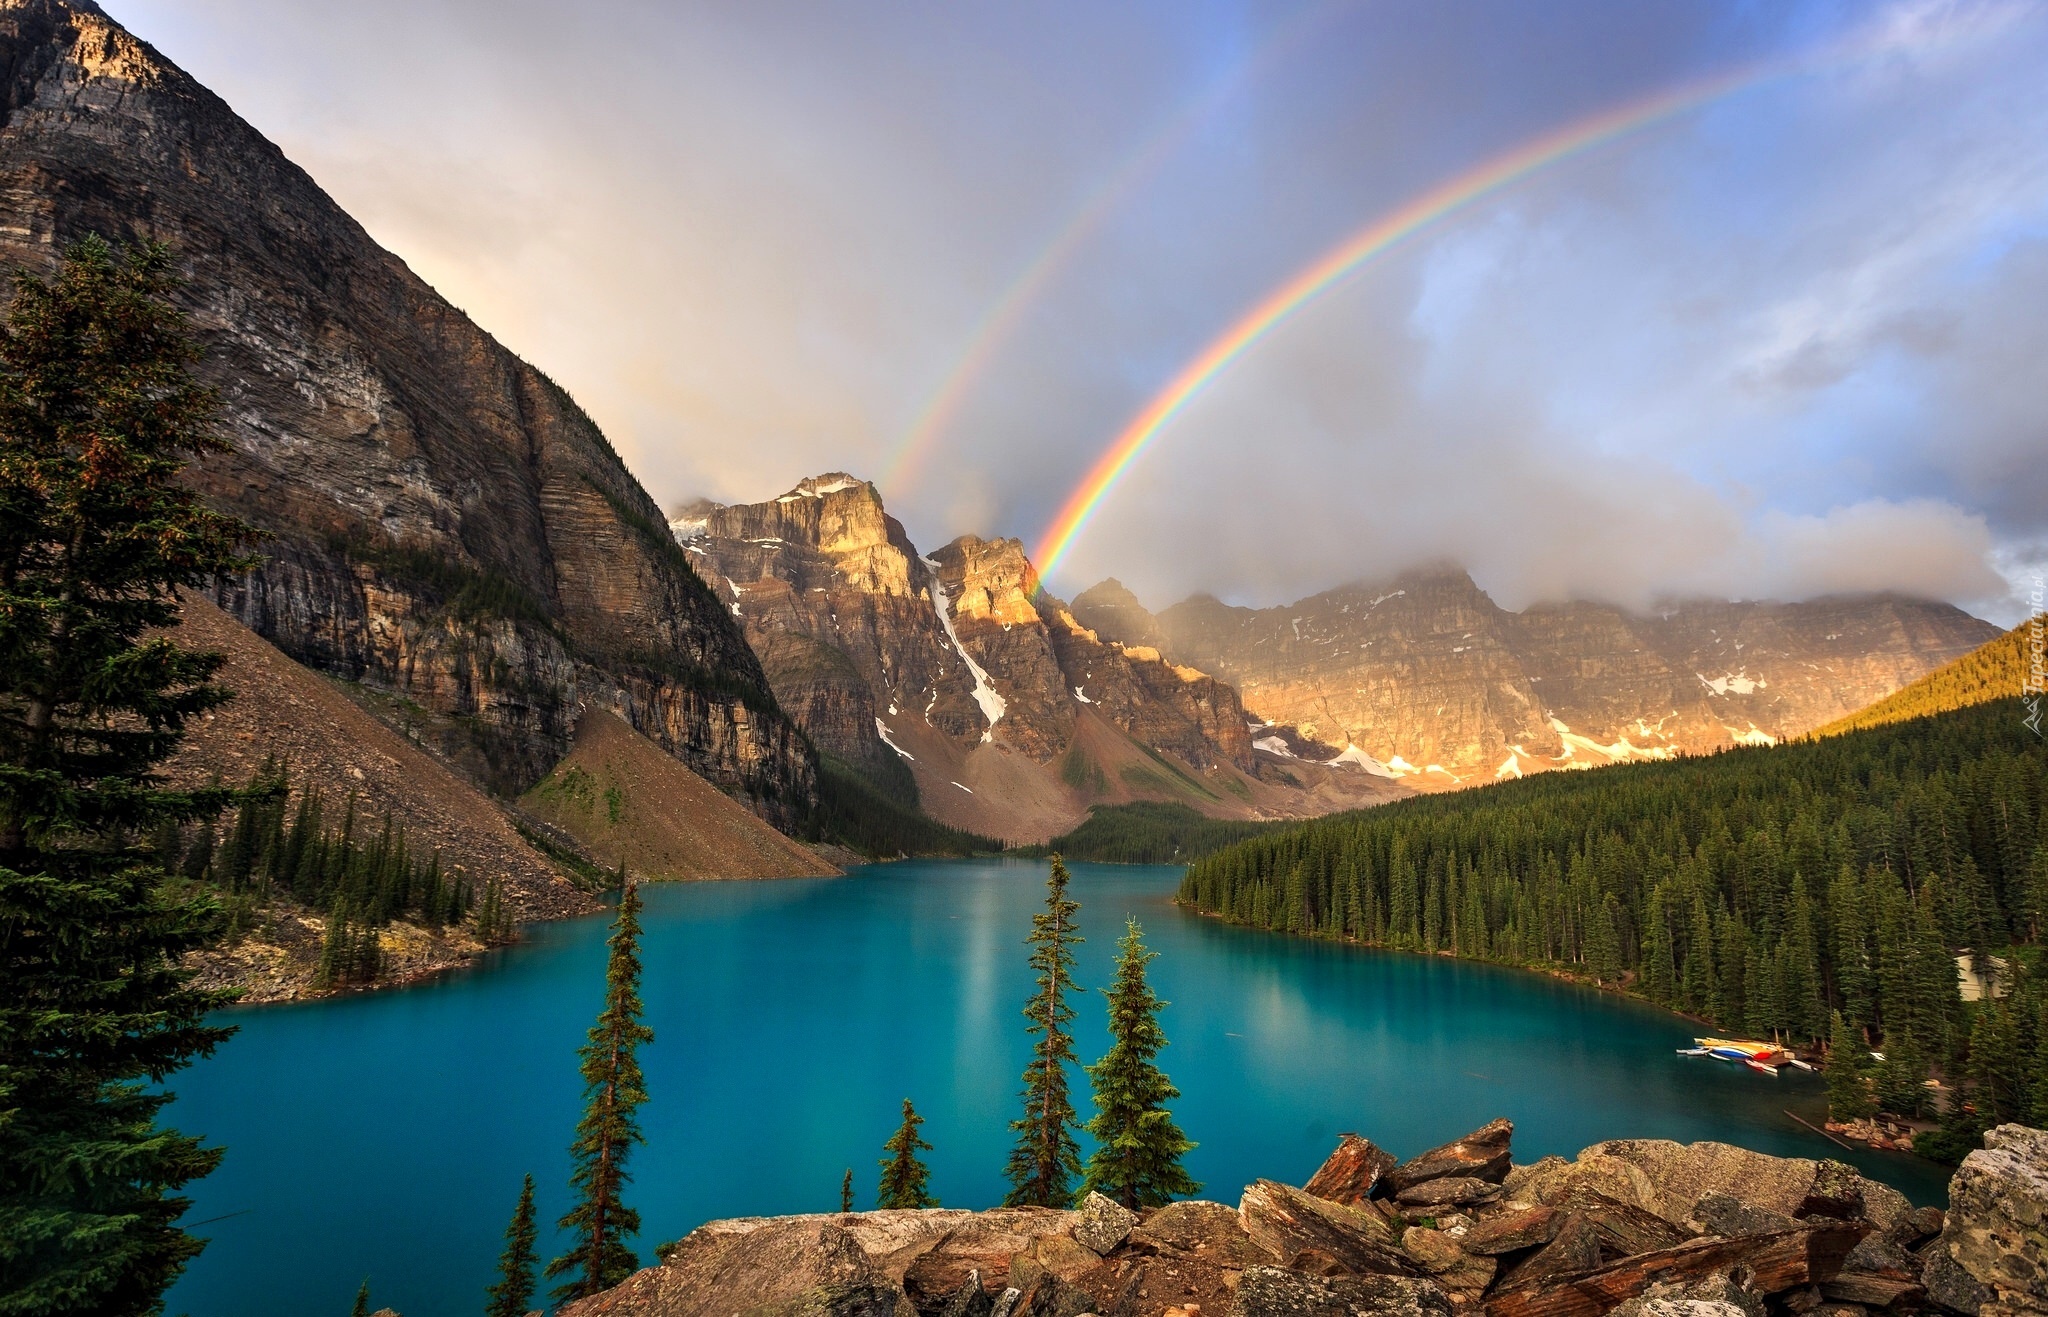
1638 1227
447 524
286 716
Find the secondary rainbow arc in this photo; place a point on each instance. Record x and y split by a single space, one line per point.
1011 308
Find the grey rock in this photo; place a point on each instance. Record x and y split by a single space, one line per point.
1996 1228
1210 1231
1276 1292
1836 1191
1879 1255
1449 1191
1104 1224
1521 1180
971 1300
1921 1223
1719 1213
1006 1303
1649 1307
1949 1286
835 1301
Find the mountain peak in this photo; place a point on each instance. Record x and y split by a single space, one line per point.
1114 613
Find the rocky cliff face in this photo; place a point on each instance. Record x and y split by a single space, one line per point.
1632 1227
1011 715
1434 683
446 523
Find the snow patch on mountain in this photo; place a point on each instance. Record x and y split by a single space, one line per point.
1274 745
1359 758
882 730
1620 750
1733 683
985 693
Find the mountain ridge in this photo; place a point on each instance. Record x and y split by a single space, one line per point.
953 675
444 522
1429 679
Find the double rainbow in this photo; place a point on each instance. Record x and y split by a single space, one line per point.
1009 310
1346 258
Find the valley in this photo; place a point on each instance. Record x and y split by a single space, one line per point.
400 804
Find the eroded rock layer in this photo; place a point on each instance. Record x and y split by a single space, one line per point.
445 522
1637 1227
1427 679
955 667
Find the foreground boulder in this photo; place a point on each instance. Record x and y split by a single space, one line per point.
1639 1227
1992 1253
1352 1172
1482 1155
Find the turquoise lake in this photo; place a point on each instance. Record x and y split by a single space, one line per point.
384 1135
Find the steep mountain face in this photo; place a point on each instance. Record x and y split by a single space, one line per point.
1425 678
1010 715
445 522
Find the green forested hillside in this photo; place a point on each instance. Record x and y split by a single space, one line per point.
1759 888
1994 670
1148 832
855 813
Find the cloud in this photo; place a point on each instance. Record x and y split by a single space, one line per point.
1786 344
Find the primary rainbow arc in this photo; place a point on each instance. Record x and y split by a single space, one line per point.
1344 259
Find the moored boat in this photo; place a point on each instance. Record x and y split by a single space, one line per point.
1765 1058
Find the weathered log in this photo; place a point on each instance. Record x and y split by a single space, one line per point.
1873 1291
1774 1262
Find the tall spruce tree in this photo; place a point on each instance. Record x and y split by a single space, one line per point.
1848 1093
1047 1158
1138 1152
361 1307
846 1191
613 1090
512 1294
905 1181
98 414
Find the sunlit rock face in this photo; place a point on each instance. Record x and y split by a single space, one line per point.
861 634
445 523
1428 677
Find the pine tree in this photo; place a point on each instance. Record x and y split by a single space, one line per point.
846 1192
98 414
1137 1158
1047 1157
1848 1094
512 1294
613 1089
361 1307
905 1181
1901 1076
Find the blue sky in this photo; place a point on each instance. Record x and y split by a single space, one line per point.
1782 345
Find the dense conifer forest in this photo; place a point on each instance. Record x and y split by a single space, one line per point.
1761 889
356 869
1147 832
853 812
1994 669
